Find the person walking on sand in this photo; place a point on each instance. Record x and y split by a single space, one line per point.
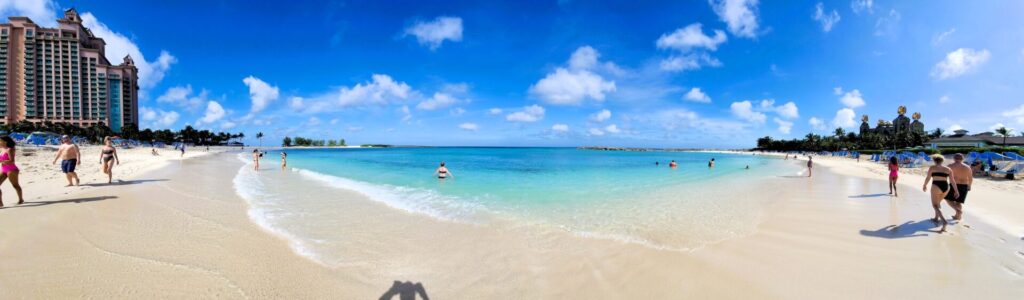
284 160
182 150
7 167
942 179
964 179
894 173
108 157
810 166
70 157
256 159
442 172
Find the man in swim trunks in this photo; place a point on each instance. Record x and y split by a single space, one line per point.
964 178
70 157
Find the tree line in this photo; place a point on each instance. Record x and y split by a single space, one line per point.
304 142
97 132
841 140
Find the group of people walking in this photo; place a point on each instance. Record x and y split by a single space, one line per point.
68 153
948 182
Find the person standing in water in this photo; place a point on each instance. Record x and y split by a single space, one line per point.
711 163
940 188
964 179
894 173
673 164
442 172
7 167
108 157
256 156
70 157
810 166
284 160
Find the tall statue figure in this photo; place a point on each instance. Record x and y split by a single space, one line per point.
917 126
901 124
864 127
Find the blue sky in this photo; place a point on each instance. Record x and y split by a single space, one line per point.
562 73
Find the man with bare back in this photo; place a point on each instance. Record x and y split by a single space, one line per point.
964 178
70 157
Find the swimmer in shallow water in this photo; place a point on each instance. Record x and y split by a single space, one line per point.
442 172
673 164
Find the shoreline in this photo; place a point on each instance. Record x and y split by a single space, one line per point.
184 226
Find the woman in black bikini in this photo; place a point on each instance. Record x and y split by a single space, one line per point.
108 156
442 172
942 181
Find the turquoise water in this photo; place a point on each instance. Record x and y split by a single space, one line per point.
616 195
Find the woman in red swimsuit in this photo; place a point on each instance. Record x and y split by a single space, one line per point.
894 173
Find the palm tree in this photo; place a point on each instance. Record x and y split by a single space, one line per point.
1004 132
259 136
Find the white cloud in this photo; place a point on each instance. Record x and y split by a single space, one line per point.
852 99
944 99
827 20
469 126
844 118
351 128
577 83
784 126
739 15
296 103
859 6
157 119
532 113
227 125
954 128
1000 125
494 111
584 58
942 36
260 93
435 32
816 124
744 110
692 61
381 90
182 96
458 111
1016 113
439 100
612 129
41 12
565 87
595 132
560 128
696 95
119 45
406 114
214 112
335 121
691 37
888 24
788 110
313 121
601 116
959 62
837 90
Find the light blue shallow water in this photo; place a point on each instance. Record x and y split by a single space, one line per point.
603 194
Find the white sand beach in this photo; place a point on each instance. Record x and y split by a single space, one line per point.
176 229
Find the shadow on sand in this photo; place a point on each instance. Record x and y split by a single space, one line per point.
869 196
77 200
906 230
793 176
123 182
405 291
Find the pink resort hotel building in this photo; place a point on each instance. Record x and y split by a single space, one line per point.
61 75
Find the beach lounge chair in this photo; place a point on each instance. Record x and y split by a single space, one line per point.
1013 155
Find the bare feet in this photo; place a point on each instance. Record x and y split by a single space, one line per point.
69 185
21 201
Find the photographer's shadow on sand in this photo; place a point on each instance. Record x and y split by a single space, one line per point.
405 291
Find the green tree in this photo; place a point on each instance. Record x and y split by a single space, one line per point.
259 136
287 142
1004 132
